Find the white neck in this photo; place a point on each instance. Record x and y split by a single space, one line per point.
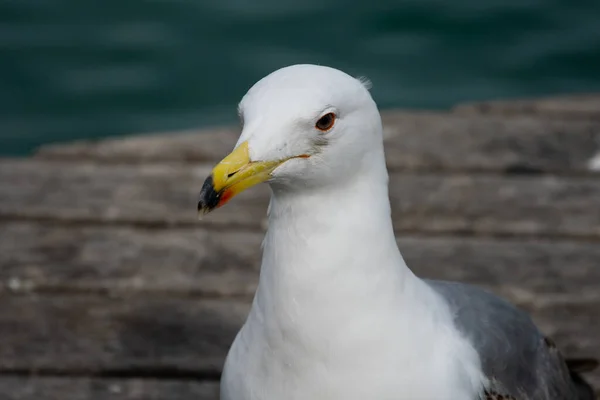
338 314
327 257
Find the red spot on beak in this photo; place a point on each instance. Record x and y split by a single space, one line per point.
225 197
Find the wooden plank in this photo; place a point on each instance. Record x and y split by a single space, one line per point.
150 194
205 145
51 388
107 259
583 106
73 388
166 195
92 335
545 206
414 141
116 335
436 141
51 258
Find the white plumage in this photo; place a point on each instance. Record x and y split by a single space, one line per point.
338 315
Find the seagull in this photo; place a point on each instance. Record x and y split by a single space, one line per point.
337 314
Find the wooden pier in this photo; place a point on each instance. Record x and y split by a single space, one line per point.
111 289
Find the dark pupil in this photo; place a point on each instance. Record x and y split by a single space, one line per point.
325 121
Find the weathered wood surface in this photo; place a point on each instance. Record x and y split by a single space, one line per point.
134 334
580 107
165 195
145 335
181 331
107 281
74 388
423 141
49 258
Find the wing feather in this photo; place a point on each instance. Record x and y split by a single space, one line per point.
520 362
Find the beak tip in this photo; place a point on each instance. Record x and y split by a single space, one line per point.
202 209
201 214
208 198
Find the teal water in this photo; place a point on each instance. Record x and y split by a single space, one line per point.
73 69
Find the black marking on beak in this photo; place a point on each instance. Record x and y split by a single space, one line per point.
208 198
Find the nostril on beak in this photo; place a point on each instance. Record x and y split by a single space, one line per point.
232 174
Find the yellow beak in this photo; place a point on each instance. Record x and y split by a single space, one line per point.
234 174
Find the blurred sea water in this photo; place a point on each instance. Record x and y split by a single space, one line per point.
81 69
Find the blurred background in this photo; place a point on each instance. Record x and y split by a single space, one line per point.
109 286
80 69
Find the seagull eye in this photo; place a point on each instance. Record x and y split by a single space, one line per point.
326 122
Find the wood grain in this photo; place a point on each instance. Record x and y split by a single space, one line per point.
110 287
83 334
38 257
581 107
111 259
165 195
82 388
154 335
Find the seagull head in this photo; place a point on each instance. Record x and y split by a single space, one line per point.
304 127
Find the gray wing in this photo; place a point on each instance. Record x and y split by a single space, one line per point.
521 363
